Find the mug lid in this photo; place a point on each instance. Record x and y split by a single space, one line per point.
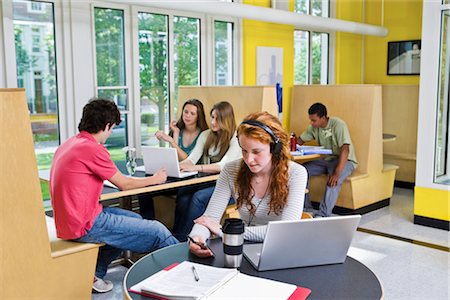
233 226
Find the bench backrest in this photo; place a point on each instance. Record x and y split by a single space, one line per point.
244 99
360 106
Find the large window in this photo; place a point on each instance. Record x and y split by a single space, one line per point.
223 53
111 72
36 72
311 49
153 74
165 40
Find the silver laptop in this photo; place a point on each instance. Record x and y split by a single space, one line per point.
303 243
157 158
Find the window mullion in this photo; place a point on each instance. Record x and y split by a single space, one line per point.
171 50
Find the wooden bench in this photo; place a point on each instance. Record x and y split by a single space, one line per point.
400 114
61 247
371 184
34 262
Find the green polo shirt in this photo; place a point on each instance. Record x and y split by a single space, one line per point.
332 137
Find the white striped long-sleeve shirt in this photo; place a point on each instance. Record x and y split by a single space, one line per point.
225 189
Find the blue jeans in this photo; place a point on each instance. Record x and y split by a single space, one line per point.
121 230
322 166
191 203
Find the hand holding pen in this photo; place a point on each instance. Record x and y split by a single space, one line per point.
199 248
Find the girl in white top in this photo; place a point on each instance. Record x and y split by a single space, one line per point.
214 148
266 184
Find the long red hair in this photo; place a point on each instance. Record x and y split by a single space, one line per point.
278 188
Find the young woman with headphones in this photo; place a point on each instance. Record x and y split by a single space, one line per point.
266 184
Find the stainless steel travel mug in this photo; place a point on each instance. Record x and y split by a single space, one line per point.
233 241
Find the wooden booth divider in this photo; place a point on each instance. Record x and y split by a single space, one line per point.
34 263
400 114
244 99
360 106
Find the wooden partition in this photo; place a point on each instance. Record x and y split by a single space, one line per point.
400 113
360 106
32 266
244 99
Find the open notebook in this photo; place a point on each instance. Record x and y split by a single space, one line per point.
179 282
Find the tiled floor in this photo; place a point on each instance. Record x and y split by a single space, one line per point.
406 270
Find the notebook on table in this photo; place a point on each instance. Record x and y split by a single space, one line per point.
190 281
156 158
303 243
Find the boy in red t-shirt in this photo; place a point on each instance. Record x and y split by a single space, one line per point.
79 167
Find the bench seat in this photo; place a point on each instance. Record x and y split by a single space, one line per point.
366 189
61 247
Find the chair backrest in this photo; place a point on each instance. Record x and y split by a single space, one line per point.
24 236
360 106
244 99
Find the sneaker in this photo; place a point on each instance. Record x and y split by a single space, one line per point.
102 286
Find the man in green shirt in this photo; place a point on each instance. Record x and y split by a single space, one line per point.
331 133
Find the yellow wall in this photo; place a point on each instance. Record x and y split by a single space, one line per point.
265 34
348 45
432 203
403 19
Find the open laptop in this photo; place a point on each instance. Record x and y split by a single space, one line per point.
157 158
303 243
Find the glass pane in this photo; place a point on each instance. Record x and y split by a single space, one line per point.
186 53
301 57
36 72
319 8
223 52
153 71
301 6
319 56
119 96
118 139
109 46
442 159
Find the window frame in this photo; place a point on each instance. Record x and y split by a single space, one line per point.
331 45
171 76
127 51
210 53
10 79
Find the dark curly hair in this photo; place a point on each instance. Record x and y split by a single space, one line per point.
97 114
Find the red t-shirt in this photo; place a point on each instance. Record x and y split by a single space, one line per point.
76 181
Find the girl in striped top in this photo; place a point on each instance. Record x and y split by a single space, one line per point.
266 184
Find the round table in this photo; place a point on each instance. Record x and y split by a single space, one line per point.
350 280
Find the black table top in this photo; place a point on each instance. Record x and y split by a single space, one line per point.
350 280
